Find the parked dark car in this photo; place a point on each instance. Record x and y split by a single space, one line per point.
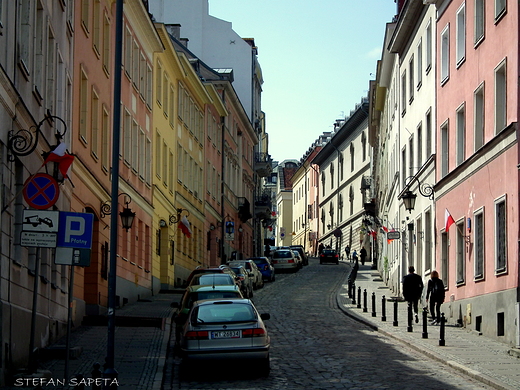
329 256
265 267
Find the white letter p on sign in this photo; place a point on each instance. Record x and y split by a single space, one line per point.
74 226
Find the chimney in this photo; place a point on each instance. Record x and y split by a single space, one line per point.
174 30
184 41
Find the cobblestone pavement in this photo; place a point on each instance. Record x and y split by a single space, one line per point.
316 346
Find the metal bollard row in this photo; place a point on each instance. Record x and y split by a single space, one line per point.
357 303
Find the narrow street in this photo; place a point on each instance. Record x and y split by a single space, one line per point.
316 346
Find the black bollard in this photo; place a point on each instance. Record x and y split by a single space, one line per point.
96 374
442 342
395 313
373 304
425 323
349 288
353 293
365 302
383 309
410 317
359 297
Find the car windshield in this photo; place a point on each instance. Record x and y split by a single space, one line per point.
198 296
223 312
283 254
213 279
238 270
259 261
329 251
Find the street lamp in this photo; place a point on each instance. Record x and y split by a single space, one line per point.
127 215
409 197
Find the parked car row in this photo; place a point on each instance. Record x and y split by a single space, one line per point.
214 320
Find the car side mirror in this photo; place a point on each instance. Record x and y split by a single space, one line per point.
265 316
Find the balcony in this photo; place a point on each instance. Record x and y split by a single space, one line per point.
263 164
263 208
244 209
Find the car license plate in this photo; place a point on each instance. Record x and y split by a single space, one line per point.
226 334
282 261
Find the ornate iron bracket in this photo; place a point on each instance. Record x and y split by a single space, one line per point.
173 219
425 189
24 142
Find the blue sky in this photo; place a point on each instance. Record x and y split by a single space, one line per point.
317 58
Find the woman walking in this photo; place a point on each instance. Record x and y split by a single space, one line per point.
435 294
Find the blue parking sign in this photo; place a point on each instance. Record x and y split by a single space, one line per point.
75 230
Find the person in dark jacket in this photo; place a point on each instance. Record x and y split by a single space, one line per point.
435 294
363 254
412 290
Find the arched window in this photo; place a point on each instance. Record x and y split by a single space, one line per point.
351 200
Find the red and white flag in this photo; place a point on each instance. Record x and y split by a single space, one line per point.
60 156
448 220
184 225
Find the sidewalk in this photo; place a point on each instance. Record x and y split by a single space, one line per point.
480 357
141 341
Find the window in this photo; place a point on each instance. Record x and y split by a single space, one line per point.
352 159
331 176
500 97
106 44
419 134
158 83
500 235
500 9
411 83
142 154
39 45
403 94
127 136
85 14
149 86
403 165
50 94
128 51
419 64
478 224
478 119
461 34
461 250
429 47
135 146
428 240
364 146
444 149
428 134
94 134
105 139
83 106
96 33
445 54
461 134
444 258
411 153
479 21
341 166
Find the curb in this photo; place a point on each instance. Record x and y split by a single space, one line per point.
159 374
477 375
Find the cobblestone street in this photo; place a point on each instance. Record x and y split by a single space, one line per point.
316 346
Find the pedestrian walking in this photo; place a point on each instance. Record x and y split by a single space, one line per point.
412 290
347 252
435 294
354 256
363 254
320 248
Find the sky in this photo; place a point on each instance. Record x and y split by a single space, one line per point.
317 58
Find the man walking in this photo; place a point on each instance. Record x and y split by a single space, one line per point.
412 290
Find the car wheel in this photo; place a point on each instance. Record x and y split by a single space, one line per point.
265 367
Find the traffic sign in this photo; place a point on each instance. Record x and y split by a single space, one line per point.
393 235
75 230
38 239
40 221
41 191
72 256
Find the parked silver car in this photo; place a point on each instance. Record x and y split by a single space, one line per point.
226 329
284 259
251 267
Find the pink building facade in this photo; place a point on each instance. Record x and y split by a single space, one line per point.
477 165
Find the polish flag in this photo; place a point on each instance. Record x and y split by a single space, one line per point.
184 225
448 220
60 156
